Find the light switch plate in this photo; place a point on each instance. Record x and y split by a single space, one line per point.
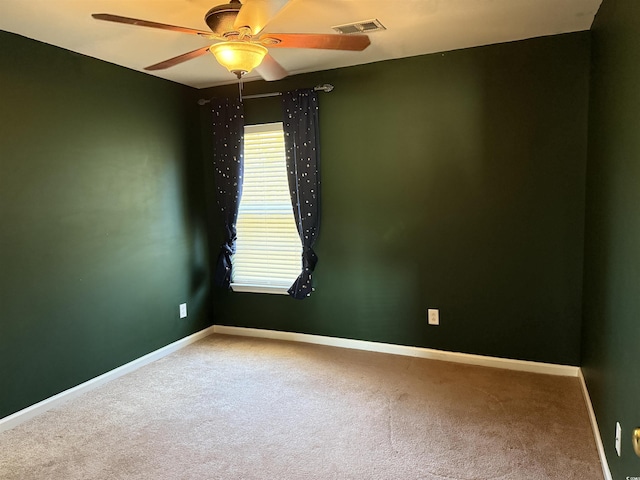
183 310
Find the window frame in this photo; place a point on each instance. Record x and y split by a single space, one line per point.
256 287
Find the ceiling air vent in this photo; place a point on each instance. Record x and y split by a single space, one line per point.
365 26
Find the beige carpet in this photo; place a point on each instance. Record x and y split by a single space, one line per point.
238 408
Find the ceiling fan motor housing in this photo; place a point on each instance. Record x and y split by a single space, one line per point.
222 17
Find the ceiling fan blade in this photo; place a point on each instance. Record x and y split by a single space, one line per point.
255 14
354 43
145 23
179 59
271 70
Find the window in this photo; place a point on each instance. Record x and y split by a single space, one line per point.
268 256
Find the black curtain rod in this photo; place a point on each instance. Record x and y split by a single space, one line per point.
325 87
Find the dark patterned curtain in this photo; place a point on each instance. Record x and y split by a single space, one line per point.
228 161
302 143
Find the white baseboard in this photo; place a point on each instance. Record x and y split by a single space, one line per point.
594 427
485 361
23 415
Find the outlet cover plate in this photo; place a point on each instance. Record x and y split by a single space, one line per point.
183 310
618 437
433 316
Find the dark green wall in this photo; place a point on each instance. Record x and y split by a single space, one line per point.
612 252
102 220
453 181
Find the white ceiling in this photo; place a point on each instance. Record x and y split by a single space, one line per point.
414 27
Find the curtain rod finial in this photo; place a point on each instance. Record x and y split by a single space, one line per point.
325 87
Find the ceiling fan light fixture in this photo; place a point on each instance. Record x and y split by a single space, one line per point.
238 57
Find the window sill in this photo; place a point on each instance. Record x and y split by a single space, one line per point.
244 288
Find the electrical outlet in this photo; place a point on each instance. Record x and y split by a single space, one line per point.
618 437
183 310
433 317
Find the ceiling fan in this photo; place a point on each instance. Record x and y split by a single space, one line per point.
240 46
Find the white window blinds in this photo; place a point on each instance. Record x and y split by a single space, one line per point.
268 249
